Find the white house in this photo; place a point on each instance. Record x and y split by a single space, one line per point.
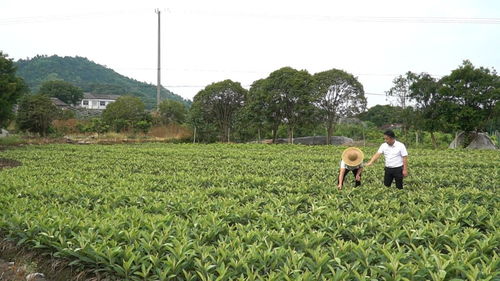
97 101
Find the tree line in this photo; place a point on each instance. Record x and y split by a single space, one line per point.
465 100
288 98
289 101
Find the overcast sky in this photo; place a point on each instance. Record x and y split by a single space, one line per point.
210 41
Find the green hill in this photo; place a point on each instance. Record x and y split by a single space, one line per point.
89 76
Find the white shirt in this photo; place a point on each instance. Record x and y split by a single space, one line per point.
343 165
393 154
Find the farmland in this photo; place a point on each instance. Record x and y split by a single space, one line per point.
253 212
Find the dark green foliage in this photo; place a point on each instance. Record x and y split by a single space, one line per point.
255 117
142 126
172 112
466 100
469 96
97 125
339 94
89 76
11 88
284 98
428 104
217 106
382 115
124 113
62 90
494 124
36 113
204 130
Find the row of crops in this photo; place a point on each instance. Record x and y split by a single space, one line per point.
253 212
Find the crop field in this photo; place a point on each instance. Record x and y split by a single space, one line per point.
253 212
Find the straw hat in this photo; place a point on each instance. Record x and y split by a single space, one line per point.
352 156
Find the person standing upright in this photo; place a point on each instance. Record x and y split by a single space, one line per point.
396 159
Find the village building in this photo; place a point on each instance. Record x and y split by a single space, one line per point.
97 101
59 103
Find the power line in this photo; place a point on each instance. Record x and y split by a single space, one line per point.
64 17
358 19
424 20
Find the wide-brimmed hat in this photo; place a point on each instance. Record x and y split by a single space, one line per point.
352 156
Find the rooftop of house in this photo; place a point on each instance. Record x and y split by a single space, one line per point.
58 102
100 96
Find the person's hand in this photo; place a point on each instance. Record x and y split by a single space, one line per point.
339 187
358 177
405 172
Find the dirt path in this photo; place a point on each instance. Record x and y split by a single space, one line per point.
11 271
21 264
17 266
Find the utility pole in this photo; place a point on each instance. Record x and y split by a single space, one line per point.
158 84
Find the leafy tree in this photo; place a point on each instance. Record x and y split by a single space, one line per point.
11 88
285 97
124 112
494 124
470 95
400 92
172 111
36 113
424 91
219 103
339 94
62 90
293 92
203 128
258 114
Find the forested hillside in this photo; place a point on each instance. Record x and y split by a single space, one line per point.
89 76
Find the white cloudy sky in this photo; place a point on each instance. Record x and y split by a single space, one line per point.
245 40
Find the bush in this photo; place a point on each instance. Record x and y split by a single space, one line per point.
98 126
120 125
142 126
35 114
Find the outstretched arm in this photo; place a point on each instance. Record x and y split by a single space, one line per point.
374 158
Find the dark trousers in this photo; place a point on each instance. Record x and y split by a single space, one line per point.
355 172
394 174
